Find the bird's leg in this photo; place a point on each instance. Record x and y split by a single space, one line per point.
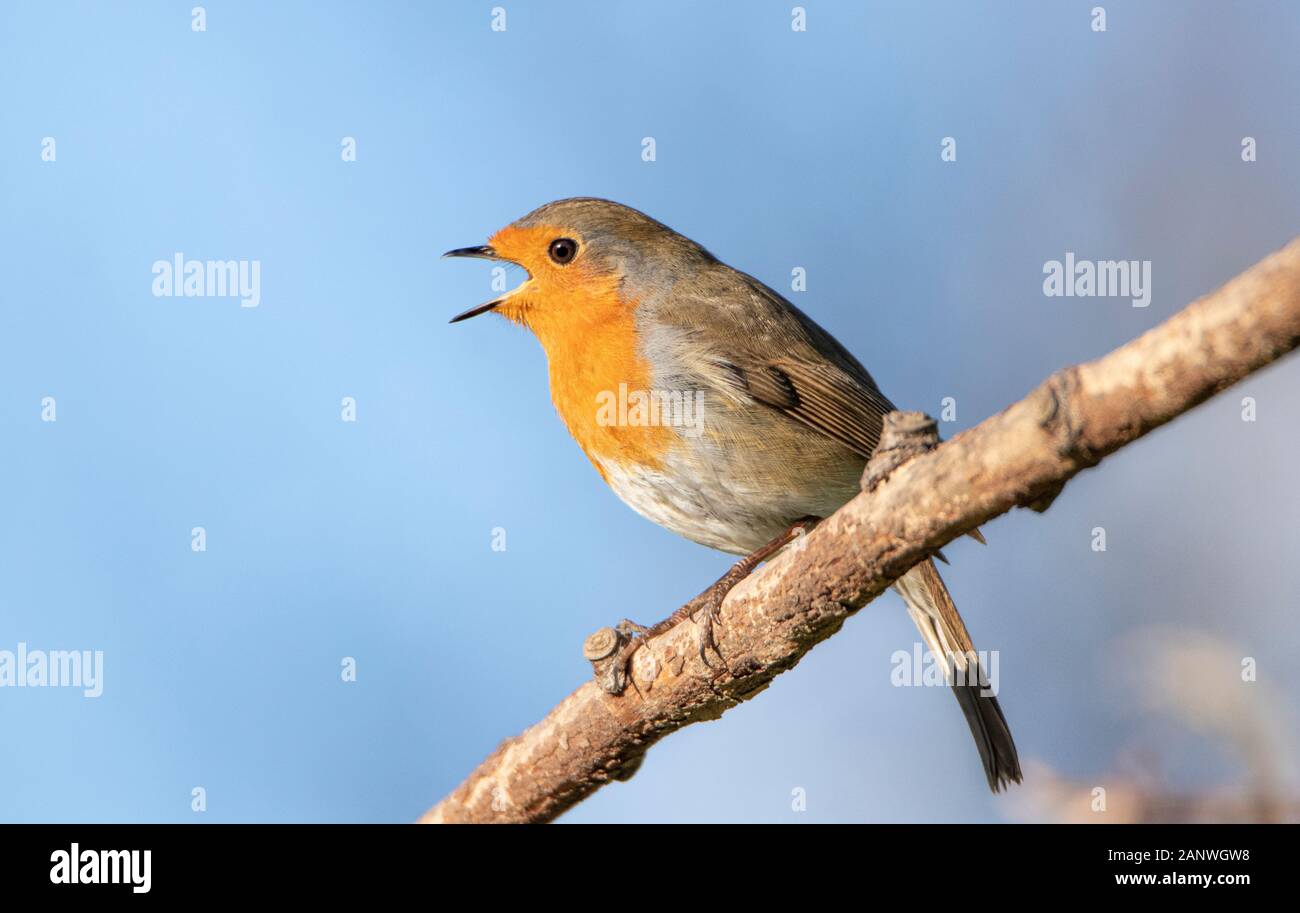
708 604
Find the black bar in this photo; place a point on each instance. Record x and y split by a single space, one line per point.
333 861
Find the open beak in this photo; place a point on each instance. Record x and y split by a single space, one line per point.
484 252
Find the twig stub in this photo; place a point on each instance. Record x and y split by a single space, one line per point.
603 649
904 435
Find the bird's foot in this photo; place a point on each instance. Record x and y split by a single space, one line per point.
615 673
705 611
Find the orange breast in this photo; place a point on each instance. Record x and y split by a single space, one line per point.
589 334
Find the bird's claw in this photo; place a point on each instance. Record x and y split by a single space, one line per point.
704 619
630 629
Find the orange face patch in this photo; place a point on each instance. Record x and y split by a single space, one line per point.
588 332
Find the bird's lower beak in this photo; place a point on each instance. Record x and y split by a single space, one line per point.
484 252
475 311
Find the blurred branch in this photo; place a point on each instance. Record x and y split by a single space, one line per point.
1193 679
1021 457
1050 797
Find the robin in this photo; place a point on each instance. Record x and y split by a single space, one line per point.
714 407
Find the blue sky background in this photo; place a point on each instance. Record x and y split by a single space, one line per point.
775 149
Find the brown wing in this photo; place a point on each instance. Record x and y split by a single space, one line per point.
777 355
827 400
820 395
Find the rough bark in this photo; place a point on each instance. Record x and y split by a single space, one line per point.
1020 457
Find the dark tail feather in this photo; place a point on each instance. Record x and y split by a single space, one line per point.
992 735
936 617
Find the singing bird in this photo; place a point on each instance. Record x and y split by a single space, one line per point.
784 418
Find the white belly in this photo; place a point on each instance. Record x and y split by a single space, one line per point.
722 512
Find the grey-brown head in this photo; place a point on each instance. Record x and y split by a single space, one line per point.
585 240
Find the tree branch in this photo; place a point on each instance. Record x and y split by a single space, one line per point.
1021 457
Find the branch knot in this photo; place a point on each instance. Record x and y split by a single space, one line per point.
603 650
903 436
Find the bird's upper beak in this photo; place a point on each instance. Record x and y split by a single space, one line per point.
483 252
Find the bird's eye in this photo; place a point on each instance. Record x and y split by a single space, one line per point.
563 250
